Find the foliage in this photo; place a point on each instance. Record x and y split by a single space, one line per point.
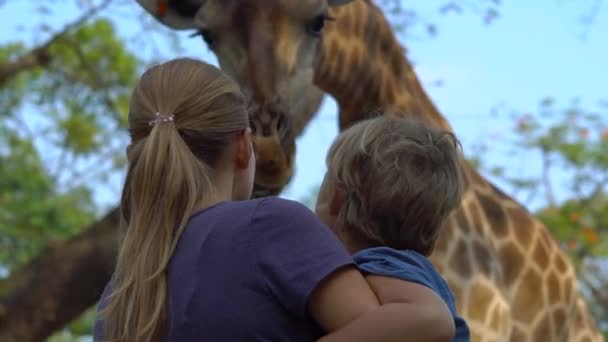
404 17
63 139
77 330
570 146
30 205
571 149
62 135
412 22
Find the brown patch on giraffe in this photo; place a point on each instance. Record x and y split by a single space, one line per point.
459 295
480 299
560 262
387 92
461 219
261 34
482 257
553 288
579 320
540 255
497 318
495 214
546 237
543 331
513 262
476 216
357 57
445 238
568 287
439 268
522 224
517 335
339 67
559 318
459 260
527 298
499 192
475 336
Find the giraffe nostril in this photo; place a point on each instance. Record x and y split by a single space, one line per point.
268 164
281 122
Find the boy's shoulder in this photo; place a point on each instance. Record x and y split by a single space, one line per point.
392 262
412 267
406 265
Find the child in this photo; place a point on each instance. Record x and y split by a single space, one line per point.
389 187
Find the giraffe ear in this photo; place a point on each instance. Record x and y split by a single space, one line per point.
178 15
335 3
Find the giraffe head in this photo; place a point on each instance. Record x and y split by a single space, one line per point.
270 48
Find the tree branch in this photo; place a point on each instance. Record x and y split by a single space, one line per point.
546 179
589 19
598 292
40 56
58 285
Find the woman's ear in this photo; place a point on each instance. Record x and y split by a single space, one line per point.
243 149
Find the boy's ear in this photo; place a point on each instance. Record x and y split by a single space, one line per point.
335 202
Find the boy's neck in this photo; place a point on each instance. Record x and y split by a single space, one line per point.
352 245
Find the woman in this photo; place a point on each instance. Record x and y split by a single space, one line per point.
198 260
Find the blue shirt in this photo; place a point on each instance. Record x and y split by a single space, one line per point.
413 267
243 271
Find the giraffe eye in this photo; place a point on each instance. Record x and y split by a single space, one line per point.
316 25
281 123
207 36
252 126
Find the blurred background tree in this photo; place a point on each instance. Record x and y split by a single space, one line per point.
65 79
572 154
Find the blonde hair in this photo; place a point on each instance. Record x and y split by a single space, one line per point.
170 172
399 181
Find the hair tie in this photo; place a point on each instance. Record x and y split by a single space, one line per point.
161 118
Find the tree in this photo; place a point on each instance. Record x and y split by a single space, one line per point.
64 100
571 146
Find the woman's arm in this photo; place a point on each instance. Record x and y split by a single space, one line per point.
306 269
409 312
341 298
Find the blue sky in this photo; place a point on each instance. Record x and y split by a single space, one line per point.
532 50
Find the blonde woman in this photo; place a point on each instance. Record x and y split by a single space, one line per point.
199 261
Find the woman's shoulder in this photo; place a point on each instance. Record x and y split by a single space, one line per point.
259 203
267 212
281 209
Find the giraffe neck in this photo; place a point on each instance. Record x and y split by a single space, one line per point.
364 67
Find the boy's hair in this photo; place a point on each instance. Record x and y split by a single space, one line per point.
399 181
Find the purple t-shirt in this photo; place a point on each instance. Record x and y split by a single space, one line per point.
243 271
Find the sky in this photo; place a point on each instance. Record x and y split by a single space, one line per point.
533 50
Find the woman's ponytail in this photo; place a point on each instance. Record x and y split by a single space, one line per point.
170 174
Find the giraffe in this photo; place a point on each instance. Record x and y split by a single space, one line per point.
511 280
